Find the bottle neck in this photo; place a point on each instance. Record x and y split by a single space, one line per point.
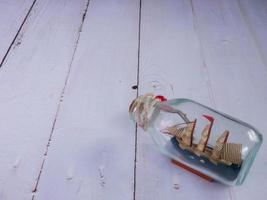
143 107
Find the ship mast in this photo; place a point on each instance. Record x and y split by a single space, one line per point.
226 137
187 135
205 135
192 133
211 119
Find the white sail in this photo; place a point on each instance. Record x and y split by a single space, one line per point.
232 153
216 153
174 131
188 133
183 134
204 138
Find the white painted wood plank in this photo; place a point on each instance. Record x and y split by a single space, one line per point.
92 151
31 82
254 13
172 64
238 77
12 14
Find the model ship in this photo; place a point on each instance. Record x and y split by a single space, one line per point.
224 157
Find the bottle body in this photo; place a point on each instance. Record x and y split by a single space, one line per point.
204 139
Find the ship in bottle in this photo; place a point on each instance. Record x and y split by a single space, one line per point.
223 157
206 142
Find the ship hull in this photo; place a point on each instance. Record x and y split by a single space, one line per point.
227 172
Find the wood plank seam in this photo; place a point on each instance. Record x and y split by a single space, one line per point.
16 36
137 94
60 100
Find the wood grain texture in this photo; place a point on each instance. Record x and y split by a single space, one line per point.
254 14
92 151
237 72
172 63
66 85
12 15
204 51
31 82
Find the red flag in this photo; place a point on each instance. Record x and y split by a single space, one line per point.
161 98
210 118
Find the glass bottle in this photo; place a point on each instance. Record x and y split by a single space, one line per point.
200 139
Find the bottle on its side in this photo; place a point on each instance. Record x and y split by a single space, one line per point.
201 139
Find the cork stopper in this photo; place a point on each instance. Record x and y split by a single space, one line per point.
142 108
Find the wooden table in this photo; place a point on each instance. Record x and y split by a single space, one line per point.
66 77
